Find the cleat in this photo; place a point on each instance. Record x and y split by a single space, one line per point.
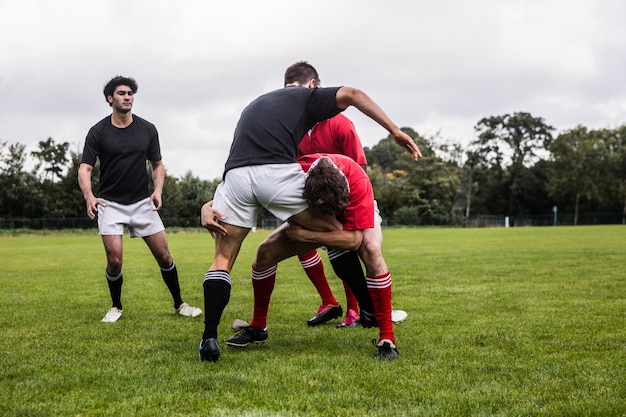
324 314
367 320
398 316
112 315
209 350
188 311
351 320
247 335
386 349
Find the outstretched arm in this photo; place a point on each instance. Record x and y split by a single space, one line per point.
348 96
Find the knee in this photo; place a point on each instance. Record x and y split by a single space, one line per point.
164 260
264 257
371 248
114 264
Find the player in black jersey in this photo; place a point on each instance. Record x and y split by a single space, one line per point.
123 142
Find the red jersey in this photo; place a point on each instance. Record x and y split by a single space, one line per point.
359 214
333 136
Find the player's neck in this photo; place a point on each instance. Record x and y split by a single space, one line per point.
121 120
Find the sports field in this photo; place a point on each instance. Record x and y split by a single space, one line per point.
520 321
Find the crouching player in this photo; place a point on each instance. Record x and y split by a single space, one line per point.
335 185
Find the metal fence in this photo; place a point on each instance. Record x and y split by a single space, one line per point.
82 224
565 219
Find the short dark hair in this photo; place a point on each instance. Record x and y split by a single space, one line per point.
326 187
115 82
301 72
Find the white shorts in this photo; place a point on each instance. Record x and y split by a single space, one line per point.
140 218
277 187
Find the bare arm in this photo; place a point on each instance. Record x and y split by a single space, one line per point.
348 96
338 239
84 182
313 219
158 178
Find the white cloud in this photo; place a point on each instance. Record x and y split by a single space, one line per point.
437 67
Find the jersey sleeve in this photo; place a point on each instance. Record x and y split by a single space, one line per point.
359 214
91 149
154 149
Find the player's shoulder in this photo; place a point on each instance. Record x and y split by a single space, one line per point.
141 120
144 123
100 125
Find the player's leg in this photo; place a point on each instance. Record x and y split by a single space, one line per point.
239 218
146 223
157 243
314 268
347 266
113 272
275 248
217 282
111 221
379 285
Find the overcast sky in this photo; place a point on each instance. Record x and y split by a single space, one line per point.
434 66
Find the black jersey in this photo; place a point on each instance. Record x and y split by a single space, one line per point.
272 126
123 153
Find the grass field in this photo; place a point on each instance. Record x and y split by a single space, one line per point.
509 322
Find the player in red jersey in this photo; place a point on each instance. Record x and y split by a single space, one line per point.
338 135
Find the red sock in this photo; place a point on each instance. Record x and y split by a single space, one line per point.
314 268
263 285
351 302
380 290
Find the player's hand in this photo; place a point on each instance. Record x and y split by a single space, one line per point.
295 232
155 201
407 142
92 206
211 220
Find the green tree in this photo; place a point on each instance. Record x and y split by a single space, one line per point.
69 200
412 192
195 192
509 144
183 197
53 157
575 170
21 194
618 164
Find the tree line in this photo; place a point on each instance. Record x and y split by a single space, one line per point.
514 167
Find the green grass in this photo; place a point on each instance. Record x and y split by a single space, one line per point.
520 321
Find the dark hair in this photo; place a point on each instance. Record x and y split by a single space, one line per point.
300 73
115 82
326 187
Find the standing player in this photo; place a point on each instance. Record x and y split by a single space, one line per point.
354 206
261 171
123 142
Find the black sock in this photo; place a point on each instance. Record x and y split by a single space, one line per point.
348 267
170 276
115 288
216 296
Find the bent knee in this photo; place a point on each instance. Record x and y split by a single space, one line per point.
264 257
